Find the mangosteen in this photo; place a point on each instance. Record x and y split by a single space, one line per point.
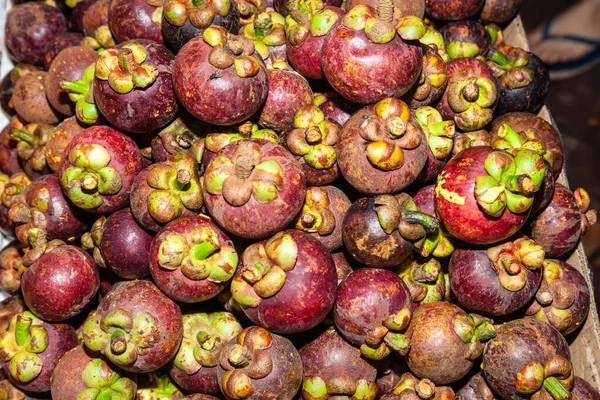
183 134
30 101
267 30
11 267
139 19
438 244
95 26
464 140
476 388
335 107
466 38
31 148
431 84
425 280
66 40
584 390
499 11
10 188
59 140
448 10
8 82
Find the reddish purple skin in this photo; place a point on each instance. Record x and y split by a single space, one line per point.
308 293
366 72
339 205
455 69
7 87
140 190
30 30
141 110
306 58
338 109
558 227
60 283
59 139
69 39
358 170
475 389
125 158
432 168
64 221
254 220
7 227
475 284
516 344
288 92
10 163
30 102
174 283
520 121
204 381
68 65
331 357
581 306
142 296
431 57
78 13
216 96
366 298
67 380
468 222
468 31
366 240
584 390
129 19
10 306
197 396
126 245
61 338
95 16
499 11
436 351
452 10
425 199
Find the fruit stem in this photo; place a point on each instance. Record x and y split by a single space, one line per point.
74 87
22 135
511 136
126 61
500 59
89 183
118 342
22 329
183 177
429 222
385 11
243 167
556 389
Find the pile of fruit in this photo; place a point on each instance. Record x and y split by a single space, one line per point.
219 199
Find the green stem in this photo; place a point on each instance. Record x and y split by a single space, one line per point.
501 59
118 342
429 222
22 329
443 129
511 136
202 251
22 135
74 87
556 389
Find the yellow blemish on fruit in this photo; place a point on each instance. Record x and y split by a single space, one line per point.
450 196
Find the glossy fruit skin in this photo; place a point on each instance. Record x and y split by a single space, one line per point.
366 240
30 30
585 390
125 245
10 306
213 95
474 282
288 92
365 299
518 343
249 221
174 283
141 111
306 58
521 121
358 170
125 158
451 10
308 294
143 296
67 380
76 19
436 351
60 284
135 20
59 140
378 70
68 39
468 31
333 359
61 338
499 11
30 101
476 388
68 65
528 98
457 207
336 108
558 227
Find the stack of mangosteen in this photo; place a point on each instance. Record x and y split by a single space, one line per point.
295 199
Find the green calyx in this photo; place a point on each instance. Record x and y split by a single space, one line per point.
126 69
231 50
512 182
460 49
308 16
103 383
264 268
214 142
90 241
465 140
81 93
157 385
315 388
89 177
509 140
314 138
472 99
177 136
511 260
12 186
439 133
267 29
175 187
388 133
510 64
474 330
424 279
244 175
203 338
316 215
199 254
381 340
11 269
120 335
401 213
31 142
409 387
199 13
20 345
555 378
433 76
434 39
